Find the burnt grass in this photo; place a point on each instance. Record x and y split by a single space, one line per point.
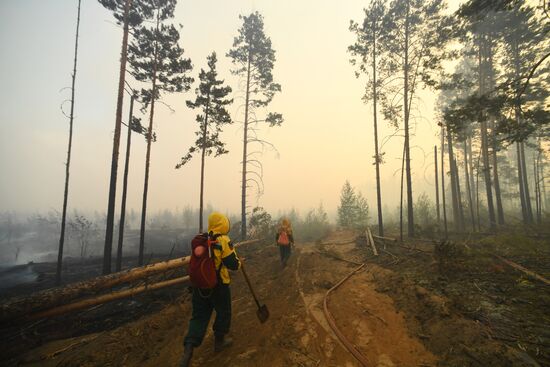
20 337
510 309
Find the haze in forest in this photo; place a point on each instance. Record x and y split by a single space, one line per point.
326 137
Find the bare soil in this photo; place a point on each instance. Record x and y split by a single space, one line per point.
407 308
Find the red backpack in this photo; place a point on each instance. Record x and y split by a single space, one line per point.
202 267
283 239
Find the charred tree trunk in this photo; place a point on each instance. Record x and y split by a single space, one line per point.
68 164
116 143
125 188
148 156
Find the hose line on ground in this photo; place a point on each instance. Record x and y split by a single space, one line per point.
332 323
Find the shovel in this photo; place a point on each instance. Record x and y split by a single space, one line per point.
262 312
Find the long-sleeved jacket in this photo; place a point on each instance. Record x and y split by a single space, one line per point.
225 256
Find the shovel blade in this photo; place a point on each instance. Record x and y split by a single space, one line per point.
262 313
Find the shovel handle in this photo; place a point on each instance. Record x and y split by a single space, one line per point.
249 285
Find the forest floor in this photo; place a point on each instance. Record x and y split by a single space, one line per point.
417 305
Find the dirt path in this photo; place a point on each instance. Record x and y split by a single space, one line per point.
392 322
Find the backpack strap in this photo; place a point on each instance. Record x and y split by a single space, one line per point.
216 245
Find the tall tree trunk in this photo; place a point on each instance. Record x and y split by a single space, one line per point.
443 181
498 196
537 190
124 188
454 186
473 185
116 143
410 213
245 153
526 184
148 154
401 196
376 154
494 142
437 189
203 153
520 184
485 147
68 164
477 191
522 171
459 197
468 187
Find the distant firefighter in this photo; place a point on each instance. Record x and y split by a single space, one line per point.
285 240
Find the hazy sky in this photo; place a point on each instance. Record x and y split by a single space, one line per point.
326 137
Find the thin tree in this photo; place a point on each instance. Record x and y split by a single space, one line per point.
365 52
156 58
68 164
134 124
437 189
443 181
128 13
254 59
212 101
415 37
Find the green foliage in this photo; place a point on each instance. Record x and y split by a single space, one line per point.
139 10
212 100
155 56
425 215
353 211
315 226
260 224
252 52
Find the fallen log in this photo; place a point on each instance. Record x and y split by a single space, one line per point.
524 270
50 298
371 240
80 305
384 238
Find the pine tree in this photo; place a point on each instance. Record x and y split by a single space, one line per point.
254 59
155 57
212 101
347 211
129 14
415 35
365 52
68 164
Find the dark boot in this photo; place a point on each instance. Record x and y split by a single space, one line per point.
187 354
221 342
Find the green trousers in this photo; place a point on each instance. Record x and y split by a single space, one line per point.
204 302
